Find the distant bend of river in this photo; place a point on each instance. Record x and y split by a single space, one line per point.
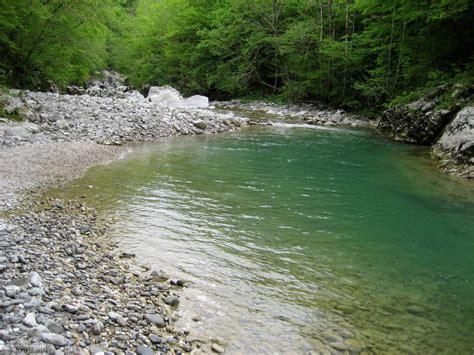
299 240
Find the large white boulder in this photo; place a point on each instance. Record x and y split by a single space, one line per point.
135 96
165 96
196 101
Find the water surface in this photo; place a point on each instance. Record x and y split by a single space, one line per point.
297 239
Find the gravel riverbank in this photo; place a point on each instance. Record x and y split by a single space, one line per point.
63 287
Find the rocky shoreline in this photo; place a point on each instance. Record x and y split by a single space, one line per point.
65 288
303 113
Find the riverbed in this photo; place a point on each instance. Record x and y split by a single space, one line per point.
299 239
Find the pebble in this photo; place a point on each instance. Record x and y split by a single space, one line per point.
54 339
144 350
172 301
77 291
415 309
70 308
217 348
35 279
97 328
155 339
67 281
156 319
54 327
11 290
339 346
30 320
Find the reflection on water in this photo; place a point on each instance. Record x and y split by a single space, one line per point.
300 240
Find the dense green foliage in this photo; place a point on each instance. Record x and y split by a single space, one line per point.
355 53
52 42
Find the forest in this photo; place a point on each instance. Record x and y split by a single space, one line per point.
355 54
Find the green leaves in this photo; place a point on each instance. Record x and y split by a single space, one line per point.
352 53
54 41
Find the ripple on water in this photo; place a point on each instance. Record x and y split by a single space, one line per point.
301 240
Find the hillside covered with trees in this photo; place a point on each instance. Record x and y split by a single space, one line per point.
356 54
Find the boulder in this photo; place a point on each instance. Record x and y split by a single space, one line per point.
200 124
455 148
18 131
418 122
196 101
135 96
165 96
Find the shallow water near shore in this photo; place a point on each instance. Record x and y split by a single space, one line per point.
299 239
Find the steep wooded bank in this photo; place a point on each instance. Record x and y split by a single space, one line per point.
360 54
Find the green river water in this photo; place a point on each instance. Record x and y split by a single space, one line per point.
300 240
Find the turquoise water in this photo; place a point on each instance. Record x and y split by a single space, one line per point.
300 240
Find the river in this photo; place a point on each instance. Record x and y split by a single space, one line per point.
299 239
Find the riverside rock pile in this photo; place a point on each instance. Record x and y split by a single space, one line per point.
303 113
104 120
444 120
62 289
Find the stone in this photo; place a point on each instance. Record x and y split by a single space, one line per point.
30 320
70 308
97 328
217 348
135 96
35 279
156 319
415 309
160 275
54 327
54 339
95 350
77 291
172 301
200 124
18 131
36 291
330 336
155 339
165 96
339 346
5 335
144 350
11 290
117 318
196 101
3 267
